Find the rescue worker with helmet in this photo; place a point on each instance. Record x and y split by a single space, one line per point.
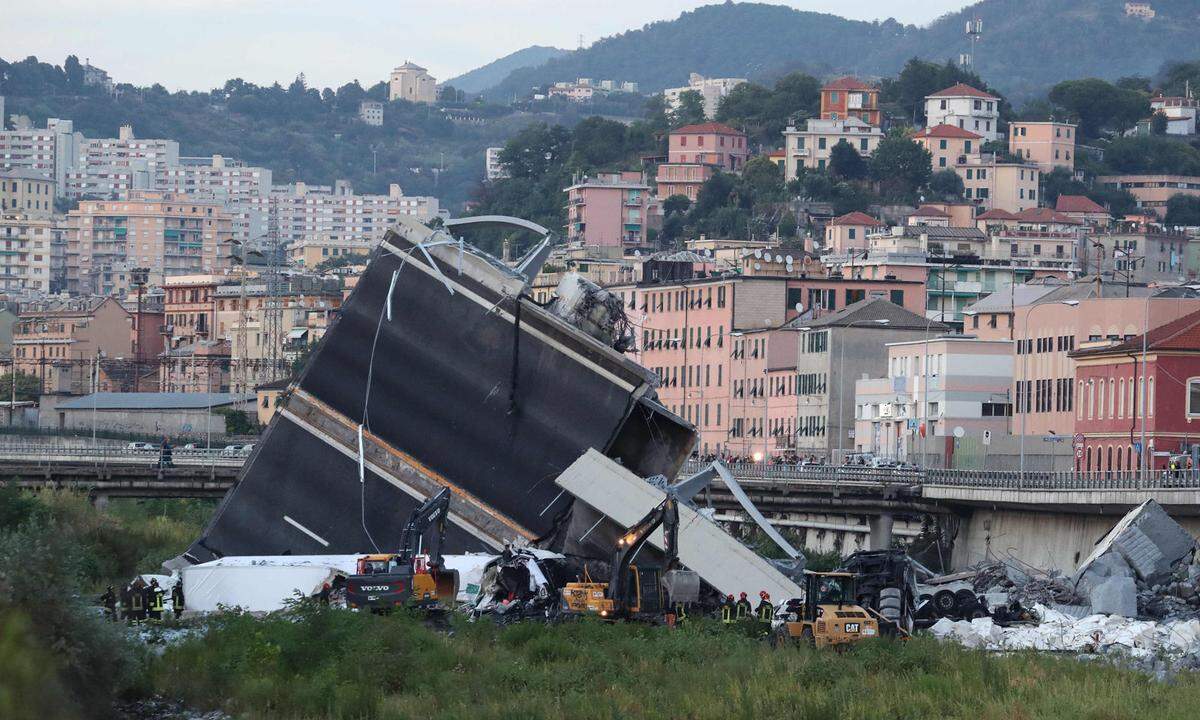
177 598
765 610
743 610
727 610
155 604
109 601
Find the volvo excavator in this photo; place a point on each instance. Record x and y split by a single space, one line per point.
389 580
638 591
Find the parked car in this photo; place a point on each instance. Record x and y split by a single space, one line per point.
231 450
189 446
246 450
141 447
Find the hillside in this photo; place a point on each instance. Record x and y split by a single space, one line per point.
1028 45
494 72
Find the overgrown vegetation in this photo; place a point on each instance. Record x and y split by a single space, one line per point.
318 662
58 657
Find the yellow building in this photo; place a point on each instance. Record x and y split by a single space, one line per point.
413 83
310 253
27 192
1046 144
993 184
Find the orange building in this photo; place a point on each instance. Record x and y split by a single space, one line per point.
949 145
1048 144
850 97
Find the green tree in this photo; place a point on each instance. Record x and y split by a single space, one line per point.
946 185
1152 155
762 180
764 113
849 197
919 78
676 204
788 225
74 72
535 149
1158 124
1119 201
1179 77
27 387
1183 210
845 163
1060 181
900 166
1099 105
690 110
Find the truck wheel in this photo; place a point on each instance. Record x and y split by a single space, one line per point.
944 602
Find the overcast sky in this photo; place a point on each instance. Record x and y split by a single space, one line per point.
198 44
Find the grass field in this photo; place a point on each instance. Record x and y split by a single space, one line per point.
323 663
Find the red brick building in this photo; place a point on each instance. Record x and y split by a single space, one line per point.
1110 383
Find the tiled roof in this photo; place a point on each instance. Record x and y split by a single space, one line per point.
1180 334
996 214
855 218
1046 215
961 90
867 313
847 83
929 211
949 131
935 232
20 174
708 127
1078 204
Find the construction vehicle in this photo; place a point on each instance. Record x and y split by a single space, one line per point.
886 585
388 580
828 614
637 591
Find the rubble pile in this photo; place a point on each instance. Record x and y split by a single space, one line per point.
1153 647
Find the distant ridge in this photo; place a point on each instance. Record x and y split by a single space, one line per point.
494 72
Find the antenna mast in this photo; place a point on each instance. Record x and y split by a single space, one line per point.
974 35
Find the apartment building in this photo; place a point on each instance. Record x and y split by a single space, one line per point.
244 190
300 211
1153 191
1083 209
609 210
26 192
966 108
167 233
413 83
849 97
493 168
994 184
849 232
126 150
58 340
107 182
311 252
24 256
811 147
1048 145
371 113
204 366
51 151
190 308
932 389
713 90
697 152
1054 319
1138 398
949 145
1137 253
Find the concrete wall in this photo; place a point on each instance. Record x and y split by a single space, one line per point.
192 423
1045 540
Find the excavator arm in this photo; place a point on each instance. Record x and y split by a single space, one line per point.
632 540
432 512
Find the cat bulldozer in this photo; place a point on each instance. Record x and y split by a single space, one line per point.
828 615
637 592
388 580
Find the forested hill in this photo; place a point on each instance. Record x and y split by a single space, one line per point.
494 72
1027 46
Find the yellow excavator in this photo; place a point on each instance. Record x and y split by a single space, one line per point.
828 616
633 591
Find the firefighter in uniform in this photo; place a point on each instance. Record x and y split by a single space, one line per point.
155 606
743 609
765 610
680 612
109 601
727 610
137 605
177 598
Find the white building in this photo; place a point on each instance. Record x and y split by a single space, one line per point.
413 83
93 75
1179 111
245 190
371 112
1139 10
711 89
942 388
24 255
494 169
128 151
107 182
300 211
51 151
811 147
965 107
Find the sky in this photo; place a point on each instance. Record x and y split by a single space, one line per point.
198 44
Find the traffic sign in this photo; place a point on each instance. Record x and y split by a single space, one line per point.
987 437
1137 447
1078 438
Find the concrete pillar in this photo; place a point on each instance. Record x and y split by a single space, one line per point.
881 531
100 501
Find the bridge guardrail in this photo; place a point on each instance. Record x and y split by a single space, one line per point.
103 455
983 479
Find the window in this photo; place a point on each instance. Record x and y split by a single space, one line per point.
1193 397
821 143
862 145
941 144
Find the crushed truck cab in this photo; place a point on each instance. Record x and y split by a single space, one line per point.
827 615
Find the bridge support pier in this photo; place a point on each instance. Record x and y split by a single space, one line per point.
100 501
881 531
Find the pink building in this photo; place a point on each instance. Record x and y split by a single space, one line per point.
695 153
1083 209
849 232
1049 145
949 145
610 210
1052 321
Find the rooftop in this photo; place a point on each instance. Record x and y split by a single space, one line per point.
154 401
962 90
24 175
929 211
855 218
936 232
1078 204
708 127
996 214
870 311
848 83
948 131
1045 215
1182 334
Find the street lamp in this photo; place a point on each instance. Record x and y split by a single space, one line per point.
841 364
1025 373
